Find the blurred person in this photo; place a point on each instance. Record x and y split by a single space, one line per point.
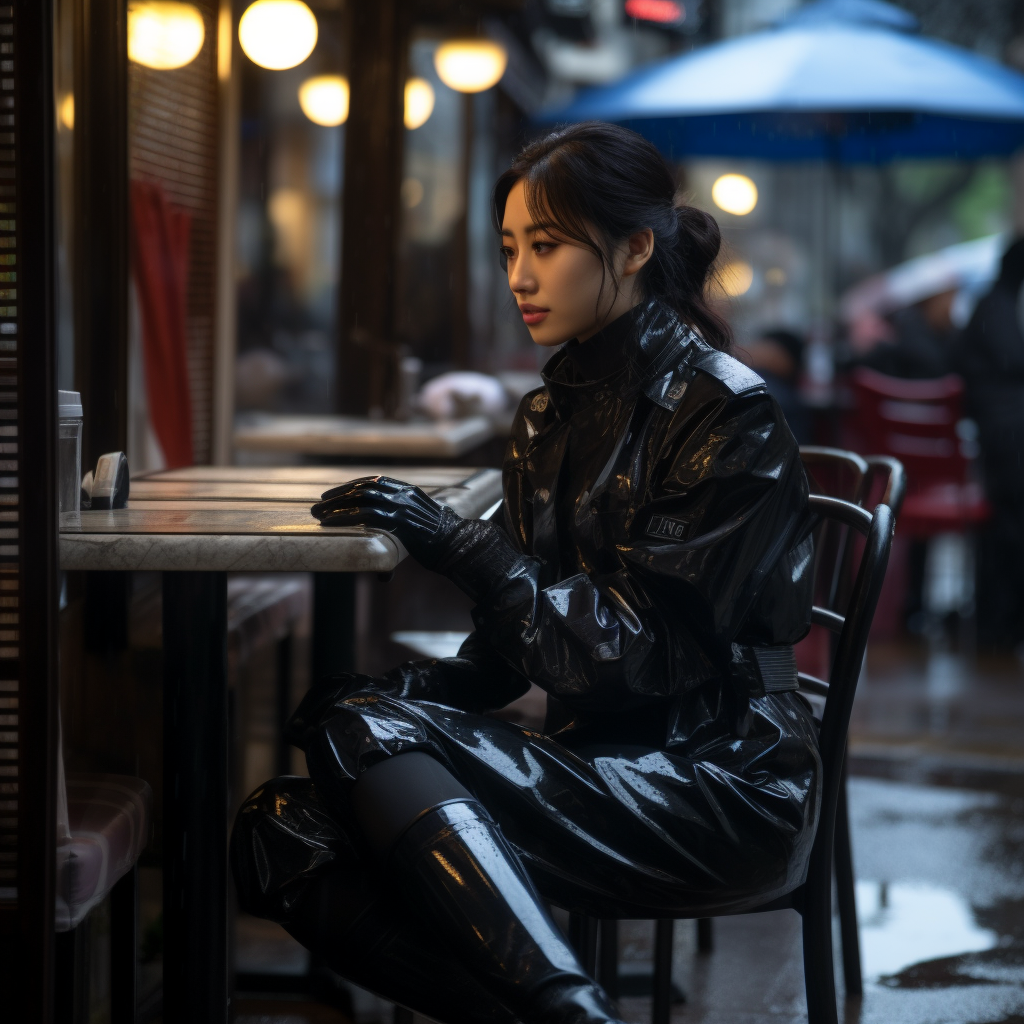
778 358
914 343
990 358
651 571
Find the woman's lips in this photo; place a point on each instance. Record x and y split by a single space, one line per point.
533 314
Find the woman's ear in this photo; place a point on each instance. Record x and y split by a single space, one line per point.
640 249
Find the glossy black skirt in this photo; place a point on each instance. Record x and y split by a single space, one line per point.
718 822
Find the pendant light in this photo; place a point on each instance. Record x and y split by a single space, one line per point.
324 99
471 64
277 34
164 34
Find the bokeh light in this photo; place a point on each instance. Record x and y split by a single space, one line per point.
277 34
324 99
66 111
736 278
164 34
470 65
419 102
734 193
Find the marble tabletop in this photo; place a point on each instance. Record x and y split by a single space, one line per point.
356 436
251 519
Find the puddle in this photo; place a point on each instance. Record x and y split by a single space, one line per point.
907 923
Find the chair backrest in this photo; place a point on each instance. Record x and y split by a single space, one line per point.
838 474
852 630
915 421
863 480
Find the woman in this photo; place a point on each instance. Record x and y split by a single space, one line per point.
651 572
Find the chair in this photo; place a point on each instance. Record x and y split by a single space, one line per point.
103 826
918 422
846 475
827 468
813 899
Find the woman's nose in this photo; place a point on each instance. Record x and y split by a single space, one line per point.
520 279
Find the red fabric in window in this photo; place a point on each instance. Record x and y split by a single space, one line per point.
160 254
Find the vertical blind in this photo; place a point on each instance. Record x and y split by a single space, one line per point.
9 503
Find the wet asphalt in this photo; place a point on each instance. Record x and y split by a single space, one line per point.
937 817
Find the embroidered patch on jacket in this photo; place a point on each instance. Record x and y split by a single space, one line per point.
665 526
539 403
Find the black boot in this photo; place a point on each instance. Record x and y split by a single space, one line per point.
294 863
461 874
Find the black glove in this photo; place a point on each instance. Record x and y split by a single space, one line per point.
474 555
423 525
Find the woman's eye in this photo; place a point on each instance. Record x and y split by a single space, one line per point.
506 253
542 247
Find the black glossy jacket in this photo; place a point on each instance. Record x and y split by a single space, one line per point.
657 501
656 551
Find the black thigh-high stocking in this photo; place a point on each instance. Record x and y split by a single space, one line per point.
459 872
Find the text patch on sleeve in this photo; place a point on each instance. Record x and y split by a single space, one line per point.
665 526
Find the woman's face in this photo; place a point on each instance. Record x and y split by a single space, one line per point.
558 283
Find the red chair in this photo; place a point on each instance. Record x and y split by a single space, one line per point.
917 422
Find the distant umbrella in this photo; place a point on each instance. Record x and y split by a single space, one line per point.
847 81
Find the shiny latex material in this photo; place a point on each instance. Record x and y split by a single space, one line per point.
664 507
631 828
656 536
420 523
294 863
464 878
454 895
656 524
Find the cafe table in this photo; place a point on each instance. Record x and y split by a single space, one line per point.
360 437
194 526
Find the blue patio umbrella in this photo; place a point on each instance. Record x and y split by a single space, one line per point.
847 81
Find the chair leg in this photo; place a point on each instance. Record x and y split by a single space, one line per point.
705 935
124 928
819 971
583 937
846 895
608 963
663 934
284 703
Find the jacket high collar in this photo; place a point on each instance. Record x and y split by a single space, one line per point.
644 350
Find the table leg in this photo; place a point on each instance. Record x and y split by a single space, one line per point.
195 797
334 617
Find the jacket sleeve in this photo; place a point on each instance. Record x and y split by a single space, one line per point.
721 539
475 680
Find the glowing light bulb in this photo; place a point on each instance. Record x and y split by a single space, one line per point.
277 34
734 193
419 102
470 65
164 34
736 278
324 99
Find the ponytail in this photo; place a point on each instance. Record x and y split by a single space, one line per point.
600 183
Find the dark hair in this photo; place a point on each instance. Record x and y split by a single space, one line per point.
598 184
